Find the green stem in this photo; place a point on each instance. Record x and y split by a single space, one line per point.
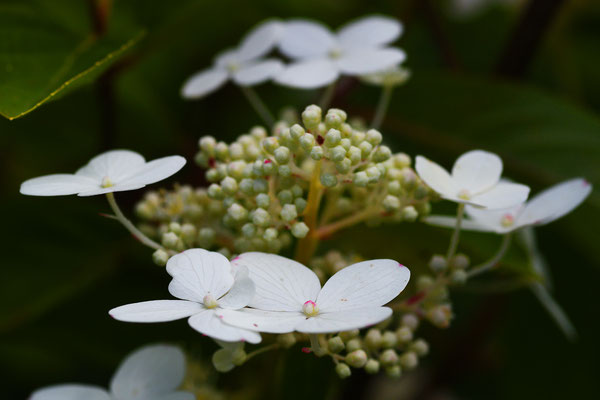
327 96
129 226
258 105
491 263
315 345
272 346
382 106
456 234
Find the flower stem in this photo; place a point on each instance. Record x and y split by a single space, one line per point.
491 263
382 106
315 345
353 219
307 245
264 349
129 226
327 96
258 105
456 234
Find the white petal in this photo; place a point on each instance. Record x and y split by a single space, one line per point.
114 164
503 195
258 72
370 31
344 320
156 311
263 321
260 40
477 171
153 171
149 372
226 58
493 219
58 185
281 284
209 324
369 283
197 272
309 74
450 222
434 176
241 293
366 61
306 39
111 189
70 392
555 202
204 82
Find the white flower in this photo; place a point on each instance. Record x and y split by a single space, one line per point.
289 296
544 208
243 64
390 77
475 180
205 283
113 171
356 49
150 373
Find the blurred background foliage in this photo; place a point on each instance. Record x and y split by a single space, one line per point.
518 79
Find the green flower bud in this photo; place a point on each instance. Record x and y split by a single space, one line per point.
409 214
411 321
286 340
206 237
222 360
388 340
373 339
252 152
440 315
372 366
354 154
170 240
365 148
394 371
460 261
421 192
175 227
229 186
228 201
346 143
409 360
391 203
201 159
236 151
338 153
394 187
307 141
248 230
288 213
207 144
221 151
270 234
284 171
299 230
361 179
316 153
356 359
374 137
247 186
258 133
357 137
282 155
188 233
332 138
353 345
420 347
225 252
160 257
268 167
383 153
402 160
311 117
270 144
213 175
347 335
237 212
215 192
404 334
297 191
328 180
409 178
388 357
300 204
343 370
335 118
335 344
438 263
459 276
343 167
424 282
373 173
285 196
260 186
262 200
261 218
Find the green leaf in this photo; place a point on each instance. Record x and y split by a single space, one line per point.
48 49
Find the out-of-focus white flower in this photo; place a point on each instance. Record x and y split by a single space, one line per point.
394 76
150 373
244 64
358 48
475 180
113 171
204 282
544 208
289 296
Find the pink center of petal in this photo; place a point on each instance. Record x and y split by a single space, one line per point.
310 308
507 220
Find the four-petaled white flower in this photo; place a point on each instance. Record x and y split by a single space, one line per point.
205 283
150 373
289 295
475 180
358 48
113 171
544 208
243 64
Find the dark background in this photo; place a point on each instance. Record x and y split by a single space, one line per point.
521 81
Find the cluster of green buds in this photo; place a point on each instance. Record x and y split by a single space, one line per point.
379 349
259 187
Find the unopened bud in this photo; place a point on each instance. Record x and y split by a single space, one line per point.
460 261
388 357
286 340
411 321
409 360
373 339
343 370
347 335
335 344
160 257
388 340
404 334
353 345
357 358
420 347
438 263
372 366
299 230
394 371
